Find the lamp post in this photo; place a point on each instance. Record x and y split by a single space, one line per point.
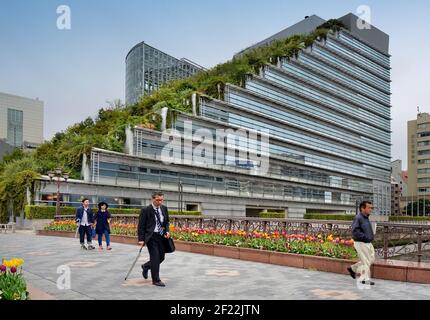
180 191
58 173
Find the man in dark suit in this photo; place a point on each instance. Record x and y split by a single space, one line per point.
85 221
153 226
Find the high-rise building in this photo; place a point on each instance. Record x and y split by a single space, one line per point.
400 177
395 198
419 156
148 68
328 114
399 187
21 123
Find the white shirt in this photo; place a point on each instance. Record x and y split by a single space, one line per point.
161 217
84 221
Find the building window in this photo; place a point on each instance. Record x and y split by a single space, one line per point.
14 127
423 134
424 152
423 143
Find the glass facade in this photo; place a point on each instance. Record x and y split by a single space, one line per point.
223 184
15 127
330 105
277 169
148 68
327 111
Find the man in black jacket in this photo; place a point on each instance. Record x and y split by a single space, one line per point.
363 235
153 226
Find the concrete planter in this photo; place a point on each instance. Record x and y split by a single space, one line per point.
287 259
183 246
391 270
326 264
203 248
227 252
55 233
382 269
418 273
254 255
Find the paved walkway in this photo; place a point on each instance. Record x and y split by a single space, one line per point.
188 276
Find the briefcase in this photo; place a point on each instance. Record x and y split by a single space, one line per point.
169 245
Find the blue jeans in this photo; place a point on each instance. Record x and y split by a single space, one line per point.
107 236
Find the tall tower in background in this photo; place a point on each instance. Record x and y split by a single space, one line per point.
21 123
147 68
419 155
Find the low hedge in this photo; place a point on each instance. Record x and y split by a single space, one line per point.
327 216
185 213
45 212
275 215
408 218
316 216
48 212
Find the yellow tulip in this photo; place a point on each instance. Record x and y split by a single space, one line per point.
18 262
14 262
8 263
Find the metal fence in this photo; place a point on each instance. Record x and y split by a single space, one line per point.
392 240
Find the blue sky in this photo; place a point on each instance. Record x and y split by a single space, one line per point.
76 71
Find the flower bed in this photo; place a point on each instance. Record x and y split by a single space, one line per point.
121 229
12 283
274 241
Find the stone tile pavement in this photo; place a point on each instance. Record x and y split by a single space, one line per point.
188 276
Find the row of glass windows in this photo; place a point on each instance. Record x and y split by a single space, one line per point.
296 155
305 158
344 79
134 75
313 160
15 120
306 140
147 68
423 134
423 180
424 171
149 147
357 115
75 200
382 58
349 95
250 187
358 71
378 69
423 143
423 152
302 122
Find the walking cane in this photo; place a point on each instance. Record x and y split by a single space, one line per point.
135 260
77 229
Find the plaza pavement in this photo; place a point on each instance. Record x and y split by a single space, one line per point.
188 276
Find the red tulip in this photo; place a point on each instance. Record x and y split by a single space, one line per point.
13 269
